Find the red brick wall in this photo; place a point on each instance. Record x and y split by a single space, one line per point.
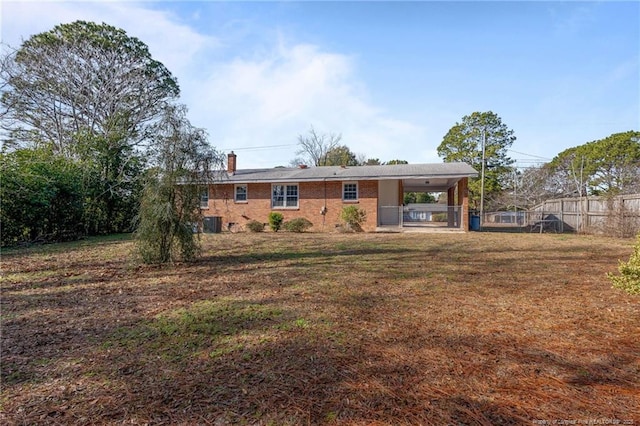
463 201
312 196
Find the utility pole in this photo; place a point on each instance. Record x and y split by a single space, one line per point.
482 179
515 195
581 227
515 189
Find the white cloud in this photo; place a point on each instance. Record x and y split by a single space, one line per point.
174 44
263 97
572 17
270 100
622 71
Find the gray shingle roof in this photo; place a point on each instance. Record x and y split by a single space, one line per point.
311 174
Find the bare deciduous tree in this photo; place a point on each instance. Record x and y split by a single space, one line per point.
315 147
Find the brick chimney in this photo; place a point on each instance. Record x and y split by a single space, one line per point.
231 163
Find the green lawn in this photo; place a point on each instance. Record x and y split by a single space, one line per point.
478 328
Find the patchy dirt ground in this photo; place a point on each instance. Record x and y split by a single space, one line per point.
476 328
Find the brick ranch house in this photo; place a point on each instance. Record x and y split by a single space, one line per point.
320 193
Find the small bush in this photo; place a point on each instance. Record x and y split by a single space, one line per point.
629 278
275 221
255 226
354 217
299 224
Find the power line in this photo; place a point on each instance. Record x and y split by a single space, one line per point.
257 148
525 160
529 155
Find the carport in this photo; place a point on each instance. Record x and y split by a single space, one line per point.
447 178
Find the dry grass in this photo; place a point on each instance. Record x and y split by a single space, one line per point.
311 329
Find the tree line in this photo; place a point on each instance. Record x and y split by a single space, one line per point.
95 141
605 167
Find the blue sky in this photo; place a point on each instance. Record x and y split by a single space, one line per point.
391 77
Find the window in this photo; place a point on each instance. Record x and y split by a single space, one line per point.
350 191
204 199
284 196
241 193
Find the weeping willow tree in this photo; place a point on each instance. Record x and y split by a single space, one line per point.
167 223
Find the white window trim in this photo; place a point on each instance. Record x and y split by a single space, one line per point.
285 207
235 193
357 191
204 204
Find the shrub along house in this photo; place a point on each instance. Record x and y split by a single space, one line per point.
320 193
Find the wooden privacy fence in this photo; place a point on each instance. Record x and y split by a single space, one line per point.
619 216
616 216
